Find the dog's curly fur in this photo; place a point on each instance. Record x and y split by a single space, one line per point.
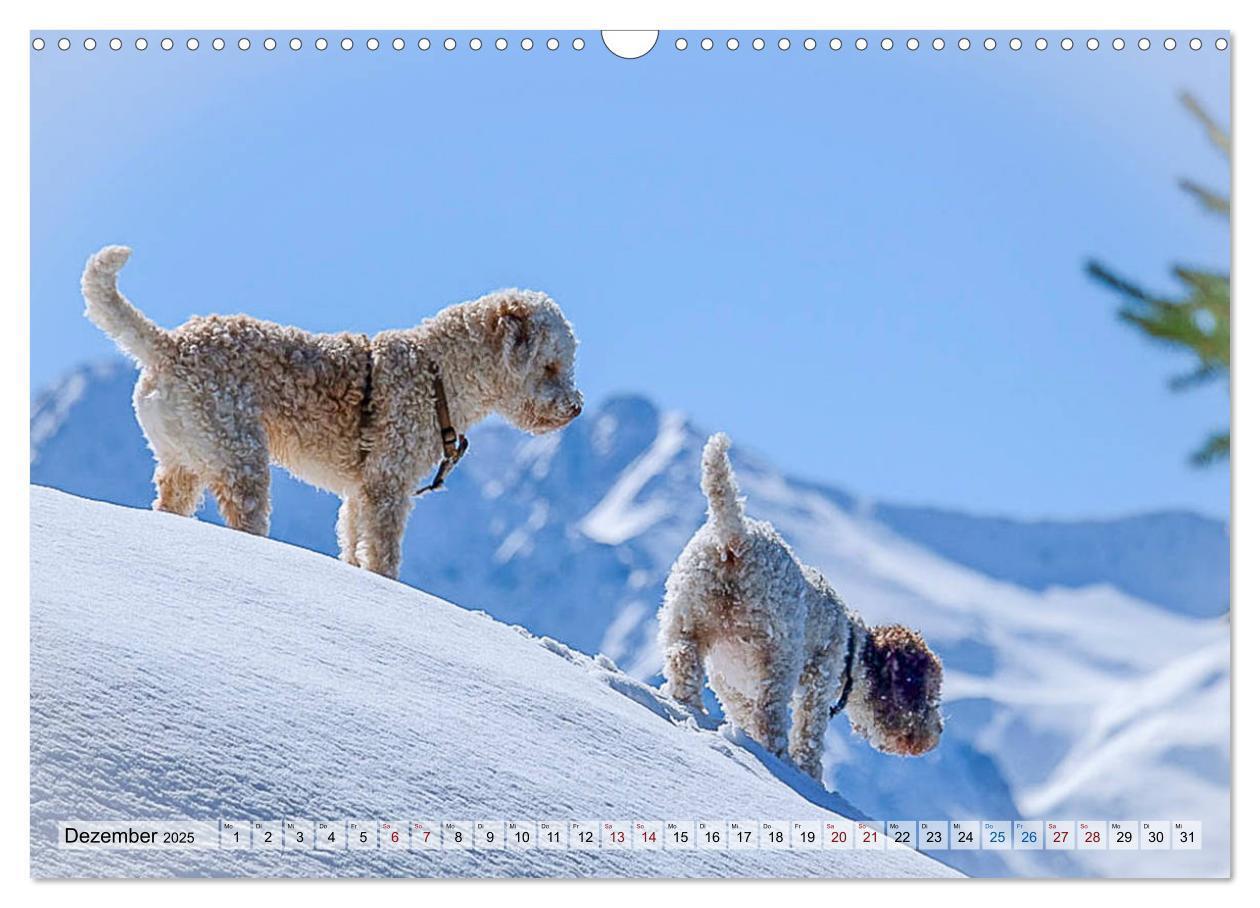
220 398
772 632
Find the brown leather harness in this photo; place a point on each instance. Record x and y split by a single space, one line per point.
454 445
847 687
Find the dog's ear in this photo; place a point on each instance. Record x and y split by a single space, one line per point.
515 335
911 672
903 676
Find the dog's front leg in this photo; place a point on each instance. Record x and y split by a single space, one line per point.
811 712
348 530
382 517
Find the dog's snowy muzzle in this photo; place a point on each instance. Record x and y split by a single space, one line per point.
549 422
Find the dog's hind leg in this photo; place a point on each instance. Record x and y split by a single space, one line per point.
348 535
769 720
684 671
243 499
243 486
178 489
680 644
737 708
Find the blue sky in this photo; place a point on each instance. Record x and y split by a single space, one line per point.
866 265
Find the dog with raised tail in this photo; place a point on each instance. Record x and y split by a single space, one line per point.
775 637
221 398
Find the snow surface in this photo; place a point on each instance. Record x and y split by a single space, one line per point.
181 670
1086 663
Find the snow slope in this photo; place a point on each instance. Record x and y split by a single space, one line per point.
1087 663
183 670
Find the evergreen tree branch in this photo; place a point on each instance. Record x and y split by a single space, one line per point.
1218 136
1201 376
1214 449
1104 275
1212 201
1198 322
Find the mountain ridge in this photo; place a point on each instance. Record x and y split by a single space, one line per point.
1048 550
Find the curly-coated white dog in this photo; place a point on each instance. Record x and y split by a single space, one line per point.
220 398
772 632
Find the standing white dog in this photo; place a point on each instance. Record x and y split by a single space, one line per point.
772 631
220 398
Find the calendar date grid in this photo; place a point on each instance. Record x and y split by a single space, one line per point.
299 835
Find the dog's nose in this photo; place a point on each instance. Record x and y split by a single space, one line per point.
575 410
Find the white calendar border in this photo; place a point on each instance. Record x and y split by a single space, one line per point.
1068 14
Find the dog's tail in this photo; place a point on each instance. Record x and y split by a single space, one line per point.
110 311
717 479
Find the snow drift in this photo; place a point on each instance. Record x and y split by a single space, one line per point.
180 670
